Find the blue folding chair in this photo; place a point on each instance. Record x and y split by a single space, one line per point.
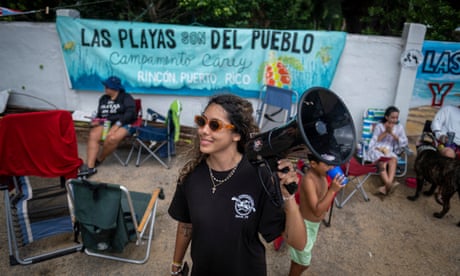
158 141
277 106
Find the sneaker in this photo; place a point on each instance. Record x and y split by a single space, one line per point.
83 170
86 172
91 171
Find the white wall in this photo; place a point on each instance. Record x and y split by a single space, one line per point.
368 74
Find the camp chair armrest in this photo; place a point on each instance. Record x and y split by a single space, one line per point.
155 115
148 210
407 150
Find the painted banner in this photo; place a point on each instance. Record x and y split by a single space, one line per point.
198 61
437 84
438 77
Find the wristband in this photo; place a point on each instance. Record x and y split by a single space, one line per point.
176 264
289 197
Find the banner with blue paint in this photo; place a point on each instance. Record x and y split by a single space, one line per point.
196 61
438 76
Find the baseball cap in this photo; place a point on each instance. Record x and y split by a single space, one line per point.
113 83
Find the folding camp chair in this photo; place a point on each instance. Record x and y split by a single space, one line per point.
357 174
38 151
359 169
158 141
373 116
276 106
109 216
132 130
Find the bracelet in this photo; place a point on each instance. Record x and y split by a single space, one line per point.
177 265
289 197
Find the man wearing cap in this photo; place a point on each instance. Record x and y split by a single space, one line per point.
117 107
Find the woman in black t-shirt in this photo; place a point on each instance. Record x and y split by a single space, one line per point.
220 204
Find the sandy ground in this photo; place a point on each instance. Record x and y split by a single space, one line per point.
384 236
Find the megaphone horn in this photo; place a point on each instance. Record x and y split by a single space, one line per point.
323 124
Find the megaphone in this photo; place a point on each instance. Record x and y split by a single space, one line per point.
323 125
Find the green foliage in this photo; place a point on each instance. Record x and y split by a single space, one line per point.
440 16
378 17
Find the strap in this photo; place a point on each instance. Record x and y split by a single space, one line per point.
94 187
270 116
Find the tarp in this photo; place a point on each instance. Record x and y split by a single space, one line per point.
190 60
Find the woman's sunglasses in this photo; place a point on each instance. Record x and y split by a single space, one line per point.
213 124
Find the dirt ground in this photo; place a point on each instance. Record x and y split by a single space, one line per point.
384 236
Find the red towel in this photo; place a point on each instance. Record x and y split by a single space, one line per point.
39 143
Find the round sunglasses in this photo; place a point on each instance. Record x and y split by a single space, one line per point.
213 124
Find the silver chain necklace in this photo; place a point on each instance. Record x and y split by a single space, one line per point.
220 181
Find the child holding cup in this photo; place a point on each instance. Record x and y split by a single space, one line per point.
315 200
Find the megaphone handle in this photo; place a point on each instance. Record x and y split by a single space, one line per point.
291 187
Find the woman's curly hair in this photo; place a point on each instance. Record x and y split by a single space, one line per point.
240 114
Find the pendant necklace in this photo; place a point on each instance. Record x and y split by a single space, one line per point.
217 182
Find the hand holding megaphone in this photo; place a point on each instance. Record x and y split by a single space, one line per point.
287 178
322 124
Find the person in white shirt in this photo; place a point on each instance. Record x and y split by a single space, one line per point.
388 139
447 119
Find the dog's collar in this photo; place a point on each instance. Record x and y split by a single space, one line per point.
426 147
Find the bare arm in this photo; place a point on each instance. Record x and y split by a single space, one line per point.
318 206
294 232
183 238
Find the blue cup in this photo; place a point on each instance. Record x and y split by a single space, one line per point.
337 171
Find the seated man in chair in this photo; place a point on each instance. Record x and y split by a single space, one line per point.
447 122
119 108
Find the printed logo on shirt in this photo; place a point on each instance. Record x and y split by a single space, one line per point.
110 107
244 205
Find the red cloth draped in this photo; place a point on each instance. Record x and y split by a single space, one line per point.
40 144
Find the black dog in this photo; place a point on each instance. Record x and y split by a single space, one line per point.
438 170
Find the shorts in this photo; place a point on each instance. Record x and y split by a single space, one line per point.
304 257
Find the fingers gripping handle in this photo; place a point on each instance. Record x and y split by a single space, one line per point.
291 187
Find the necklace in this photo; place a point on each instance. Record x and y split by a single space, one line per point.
219 182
